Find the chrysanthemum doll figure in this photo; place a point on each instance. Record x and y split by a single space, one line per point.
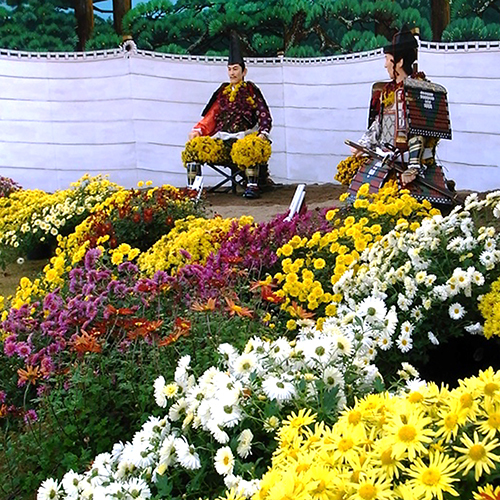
235 110
409 115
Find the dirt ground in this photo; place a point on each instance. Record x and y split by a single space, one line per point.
273 202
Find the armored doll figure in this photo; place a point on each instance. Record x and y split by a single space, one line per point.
408 115
236 109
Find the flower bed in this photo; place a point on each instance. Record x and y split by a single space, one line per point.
240 331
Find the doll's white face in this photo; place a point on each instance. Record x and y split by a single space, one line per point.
236 73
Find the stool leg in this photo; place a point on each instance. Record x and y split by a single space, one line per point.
193 169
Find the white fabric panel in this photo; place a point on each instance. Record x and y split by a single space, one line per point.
129 113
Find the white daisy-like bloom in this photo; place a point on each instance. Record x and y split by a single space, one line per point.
487 259
50 489
456 311
316 350
372 309
227 415
177 410
430 279
72 483
279 350
137 488
490 244
181 375
159 394
220 435
496 210
441 292
410 369
415 385
332 377
166 454
416 313
404 342
278 389
433 339
245 443
245 364
117 451
343 344
224 461
404 302
474 329
186 454
228 352
456 245
406 328
475 276
385 341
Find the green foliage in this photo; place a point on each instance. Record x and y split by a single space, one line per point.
48 26
304 28
106 399
471 29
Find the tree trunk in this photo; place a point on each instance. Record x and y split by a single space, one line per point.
120 8
84 14
440 14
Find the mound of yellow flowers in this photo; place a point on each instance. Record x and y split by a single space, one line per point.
425 443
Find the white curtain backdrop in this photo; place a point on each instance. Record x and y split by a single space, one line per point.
127 113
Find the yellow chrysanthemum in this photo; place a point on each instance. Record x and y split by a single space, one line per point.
477 454
433 479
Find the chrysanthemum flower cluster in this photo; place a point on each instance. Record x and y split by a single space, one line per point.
348 167
205 149
431 275
429 442
251 151
489 305
31 216
191 241
310 266
225 420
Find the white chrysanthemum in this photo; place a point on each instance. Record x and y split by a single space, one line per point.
166 454
487 259
245 364
404 342
433 339
159 394
218 433
476 277
72 483
228 352
245 443
410 369
415 385
372 309
227 415
404 302
278 388
474 329
280 349
181 372
224 461
50 489
138 488
456 311
406 328
177 410
385 341
343 344
332 377
186 454
317 350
